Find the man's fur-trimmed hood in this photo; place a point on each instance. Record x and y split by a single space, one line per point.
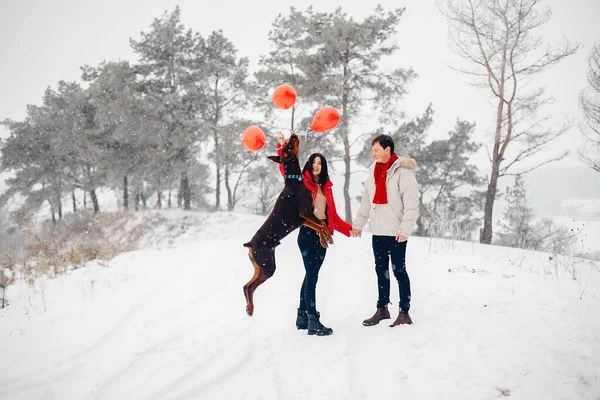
401 162
407 162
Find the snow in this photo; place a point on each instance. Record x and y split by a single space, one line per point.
587 234
168 321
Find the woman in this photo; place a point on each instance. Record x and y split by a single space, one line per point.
316 179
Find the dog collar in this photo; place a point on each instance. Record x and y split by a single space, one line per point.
293 177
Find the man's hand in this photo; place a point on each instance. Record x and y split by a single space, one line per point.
355 233
401 238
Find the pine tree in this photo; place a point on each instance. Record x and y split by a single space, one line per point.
169 58
444 168
80 136
35 153
517 228
292 61
120 116
351 52
222 87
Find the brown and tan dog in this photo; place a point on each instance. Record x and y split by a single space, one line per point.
293 208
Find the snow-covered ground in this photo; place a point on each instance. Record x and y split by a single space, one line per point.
587 231
169 322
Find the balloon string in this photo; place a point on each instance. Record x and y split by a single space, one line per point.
308 130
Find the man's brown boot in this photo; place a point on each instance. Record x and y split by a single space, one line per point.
381 313
403 319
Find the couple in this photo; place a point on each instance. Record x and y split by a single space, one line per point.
390 199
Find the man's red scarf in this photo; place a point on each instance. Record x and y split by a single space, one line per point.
380 173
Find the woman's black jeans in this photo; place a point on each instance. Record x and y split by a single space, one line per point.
313 255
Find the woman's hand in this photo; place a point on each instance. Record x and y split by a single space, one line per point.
280 138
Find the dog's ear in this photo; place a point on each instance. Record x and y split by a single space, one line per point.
275 158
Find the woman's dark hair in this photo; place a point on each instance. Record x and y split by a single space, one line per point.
384 141
324 175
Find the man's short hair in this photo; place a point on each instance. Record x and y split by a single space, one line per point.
384 141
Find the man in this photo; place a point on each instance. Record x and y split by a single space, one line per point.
390 200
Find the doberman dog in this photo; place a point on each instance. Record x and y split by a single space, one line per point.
293 208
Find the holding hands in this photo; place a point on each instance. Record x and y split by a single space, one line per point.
358 233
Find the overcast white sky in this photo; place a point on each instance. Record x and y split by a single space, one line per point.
42 42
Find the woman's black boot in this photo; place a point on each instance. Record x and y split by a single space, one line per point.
315 327
302 320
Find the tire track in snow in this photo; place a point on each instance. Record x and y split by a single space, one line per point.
167 344
349 345
65 368
211 367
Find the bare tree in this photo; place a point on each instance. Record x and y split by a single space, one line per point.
265 185
496 39
590 104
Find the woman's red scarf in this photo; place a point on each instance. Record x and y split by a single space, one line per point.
380 173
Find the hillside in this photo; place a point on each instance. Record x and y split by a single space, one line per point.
168 321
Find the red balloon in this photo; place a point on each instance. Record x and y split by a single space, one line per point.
254 138
325 119
284 97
